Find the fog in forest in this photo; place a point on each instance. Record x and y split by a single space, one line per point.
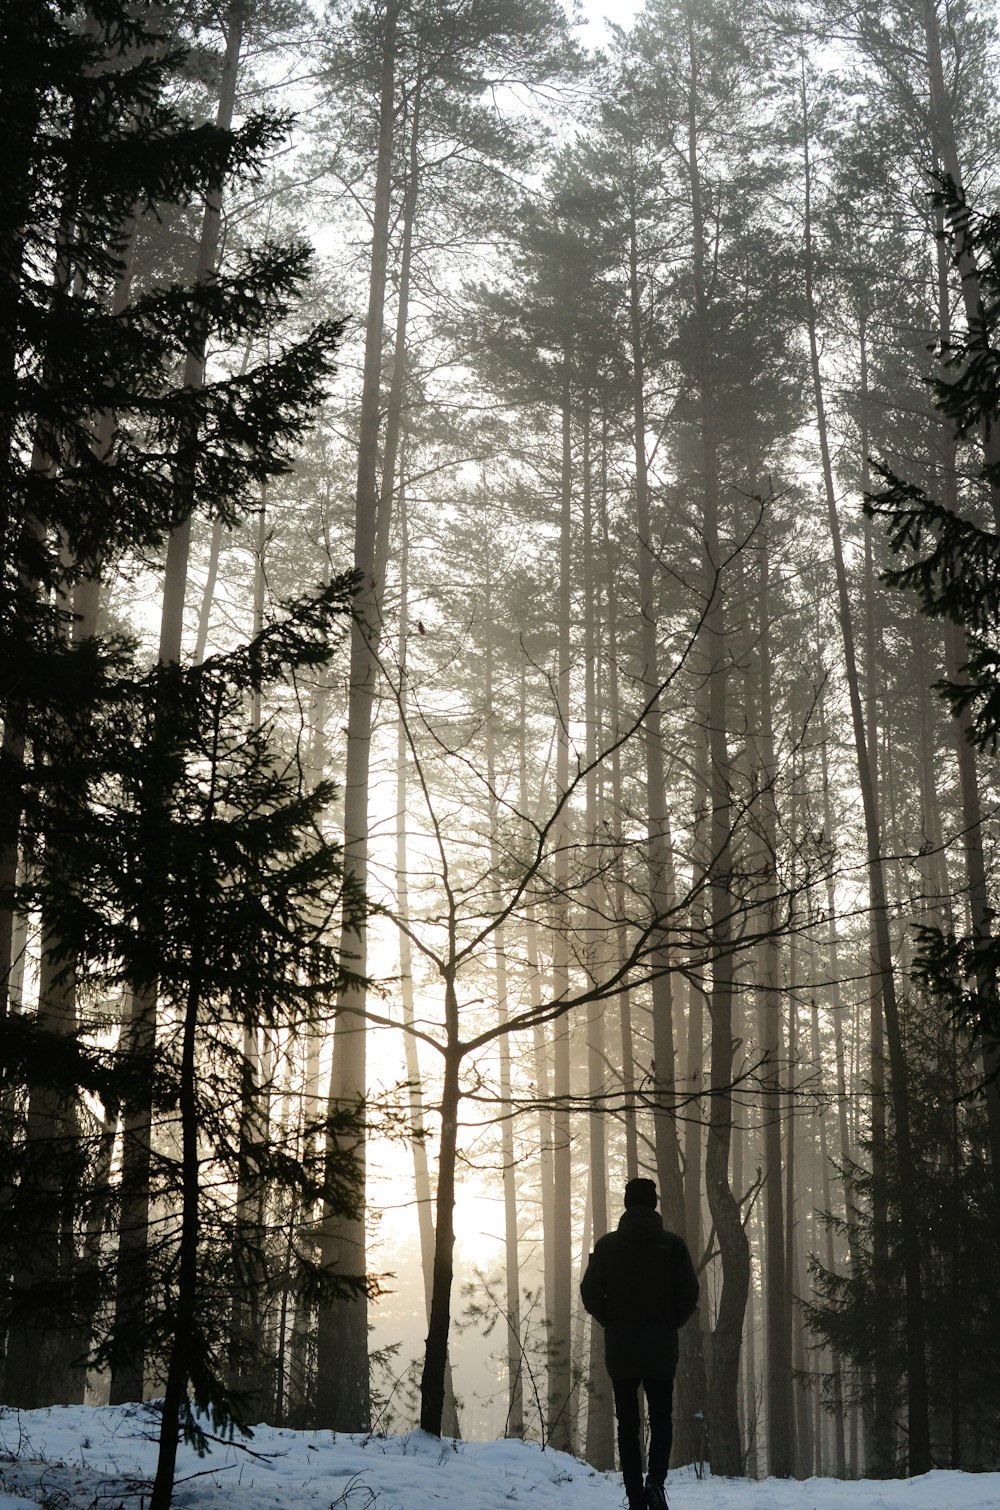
500 694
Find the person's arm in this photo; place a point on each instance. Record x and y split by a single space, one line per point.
686 1285
592 1287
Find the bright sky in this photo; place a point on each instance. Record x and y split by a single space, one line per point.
596 12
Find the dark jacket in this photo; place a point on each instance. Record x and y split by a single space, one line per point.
641 1286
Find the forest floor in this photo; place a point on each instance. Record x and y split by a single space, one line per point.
85 1458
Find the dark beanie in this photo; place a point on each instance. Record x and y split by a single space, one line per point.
640 1193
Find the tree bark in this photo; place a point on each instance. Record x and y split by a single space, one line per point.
560 1384
780 1420
839 1441
846 1146
343 1398
614 821
432 1382
658 856
794 1268
184 1321
727 1338
599 1449
918 1428
514 1424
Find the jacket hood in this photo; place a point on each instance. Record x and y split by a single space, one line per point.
640 1224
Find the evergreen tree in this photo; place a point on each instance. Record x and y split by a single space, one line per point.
955 570
153 778
958 1255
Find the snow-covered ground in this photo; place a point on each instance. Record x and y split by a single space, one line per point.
82 1458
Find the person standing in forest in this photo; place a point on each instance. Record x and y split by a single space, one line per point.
640 1286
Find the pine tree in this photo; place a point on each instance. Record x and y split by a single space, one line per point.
955 570
102 455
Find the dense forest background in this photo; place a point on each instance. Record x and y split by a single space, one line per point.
498 673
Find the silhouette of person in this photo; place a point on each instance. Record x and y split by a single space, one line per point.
640 1285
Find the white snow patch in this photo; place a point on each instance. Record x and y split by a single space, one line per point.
77 1457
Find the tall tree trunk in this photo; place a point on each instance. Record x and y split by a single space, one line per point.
23 105
794 1268
299 1367
837 1383
514 1424
935 901
540 1052
780 1436
727 1337
846 1145
750 1410
38 1367
600 1411
659 866
421 1170
12 752
561 1389
658 855
432 1382
692 1365
182 1351
40 1353
247 1368
614 821
343 1397
918 1428
880 1415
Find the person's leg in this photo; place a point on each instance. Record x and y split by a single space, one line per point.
659 1399
629 1452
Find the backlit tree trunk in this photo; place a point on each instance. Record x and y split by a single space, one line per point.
780 1438
514 1425
614 820
343 1400
727 1337
600 1409
918 1428
561 1389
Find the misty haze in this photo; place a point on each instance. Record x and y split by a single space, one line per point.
500 689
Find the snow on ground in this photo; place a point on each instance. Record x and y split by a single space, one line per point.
82 1458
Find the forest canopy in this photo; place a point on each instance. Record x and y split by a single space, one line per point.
499 682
